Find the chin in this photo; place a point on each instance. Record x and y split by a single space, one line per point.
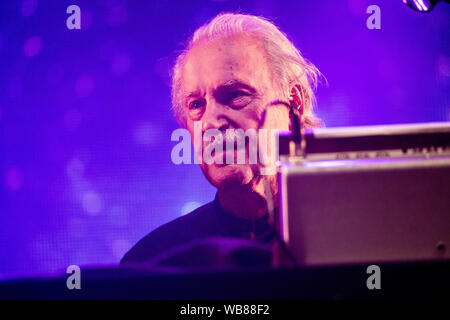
229 175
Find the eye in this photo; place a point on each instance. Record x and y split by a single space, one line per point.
239 99
237 94
196 104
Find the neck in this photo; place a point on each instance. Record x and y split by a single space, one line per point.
248 201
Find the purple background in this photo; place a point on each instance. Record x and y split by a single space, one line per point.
85 115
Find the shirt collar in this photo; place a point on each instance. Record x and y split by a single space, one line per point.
240 227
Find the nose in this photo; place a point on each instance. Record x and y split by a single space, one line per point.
215 116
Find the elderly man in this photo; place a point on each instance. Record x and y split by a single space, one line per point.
231 70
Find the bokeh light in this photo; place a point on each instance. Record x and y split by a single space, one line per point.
14 178
32 46
28 7
120 64
117 15
84 86
92 203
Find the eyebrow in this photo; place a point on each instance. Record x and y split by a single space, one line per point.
235 84
228 85
192 94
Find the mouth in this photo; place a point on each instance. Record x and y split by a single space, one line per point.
223 154
222 157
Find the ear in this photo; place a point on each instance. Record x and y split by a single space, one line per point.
300 100
297 102
297 98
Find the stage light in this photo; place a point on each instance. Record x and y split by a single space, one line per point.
422 5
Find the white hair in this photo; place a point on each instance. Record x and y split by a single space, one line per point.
285 60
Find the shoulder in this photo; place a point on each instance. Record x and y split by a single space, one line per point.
195 225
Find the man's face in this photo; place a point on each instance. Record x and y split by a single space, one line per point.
226 84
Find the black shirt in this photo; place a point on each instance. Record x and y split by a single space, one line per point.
208 221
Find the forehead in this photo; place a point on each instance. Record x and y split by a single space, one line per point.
213 62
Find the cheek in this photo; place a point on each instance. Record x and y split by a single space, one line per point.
277 117
245 120
190 125
282 120
250 116
190 129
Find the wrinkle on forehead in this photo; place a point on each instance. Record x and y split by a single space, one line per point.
213 62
